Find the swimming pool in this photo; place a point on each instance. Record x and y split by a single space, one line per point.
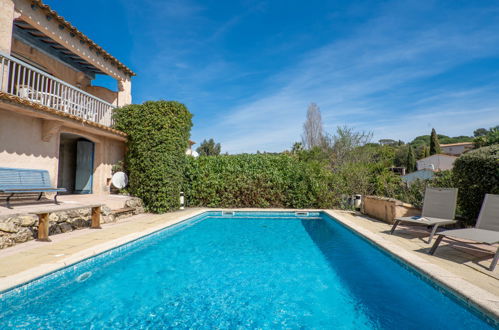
248 270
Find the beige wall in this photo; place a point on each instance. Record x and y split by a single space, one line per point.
6 19
103 93
387 209
21 146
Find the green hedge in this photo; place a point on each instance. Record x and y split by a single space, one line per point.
476 173
158 135
261 180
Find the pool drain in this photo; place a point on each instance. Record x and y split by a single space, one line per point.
83 277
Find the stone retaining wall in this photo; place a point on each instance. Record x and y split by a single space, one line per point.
24 227
387 209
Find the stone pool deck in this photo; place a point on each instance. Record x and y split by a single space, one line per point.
458 266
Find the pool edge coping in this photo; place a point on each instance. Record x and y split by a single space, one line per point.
470 294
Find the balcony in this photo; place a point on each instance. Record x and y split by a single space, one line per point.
27 82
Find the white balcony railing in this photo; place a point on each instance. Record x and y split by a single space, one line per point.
27 82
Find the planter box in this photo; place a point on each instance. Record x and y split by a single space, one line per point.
387 209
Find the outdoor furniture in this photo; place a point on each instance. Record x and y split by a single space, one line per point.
22 181
439 208
43 218
29 93
486 229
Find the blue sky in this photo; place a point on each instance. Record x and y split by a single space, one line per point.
247 70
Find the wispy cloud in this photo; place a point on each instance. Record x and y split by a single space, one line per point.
370 81
397 73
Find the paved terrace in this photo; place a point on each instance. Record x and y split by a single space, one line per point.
461 266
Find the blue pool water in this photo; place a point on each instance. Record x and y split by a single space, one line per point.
252 270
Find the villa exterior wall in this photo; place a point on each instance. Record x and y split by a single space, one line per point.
30 137
6 18
22 146
103 93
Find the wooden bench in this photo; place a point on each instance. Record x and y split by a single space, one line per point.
22 181
43 218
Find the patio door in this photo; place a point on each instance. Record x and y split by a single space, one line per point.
84 167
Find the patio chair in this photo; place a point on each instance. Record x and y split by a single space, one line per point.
486 229
439 208
29 93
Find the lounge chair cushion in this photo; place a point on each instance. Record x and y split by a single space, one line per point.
473 234
426 221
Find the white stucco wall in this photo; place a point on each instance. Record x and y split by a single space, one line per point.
436 162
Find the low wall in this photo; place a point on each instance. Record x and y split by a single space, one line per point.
21 228
387 209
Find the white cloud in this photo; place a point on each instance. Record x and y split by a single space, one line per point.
385 75
372 81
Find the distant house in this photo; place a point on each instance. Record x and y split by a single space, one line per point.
438 162
190 151
421 175
456 149
427 167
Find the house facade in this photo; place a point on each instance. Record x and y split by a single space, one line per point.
52 117
456 149
438 162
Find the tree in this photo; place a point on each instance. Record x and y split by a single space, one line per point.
342 145
434 144
411 160
426 152
400 156
158 135
209 148
297 147
313 132
491 137
388 142
480 132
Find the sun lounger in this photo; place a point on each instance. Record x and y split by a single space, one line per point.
439 208
486 229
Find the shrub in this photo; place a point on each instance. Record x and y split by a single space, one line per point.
158 134
258 180
476 173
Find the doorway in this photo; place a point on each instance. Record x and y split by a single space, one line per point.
76 164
